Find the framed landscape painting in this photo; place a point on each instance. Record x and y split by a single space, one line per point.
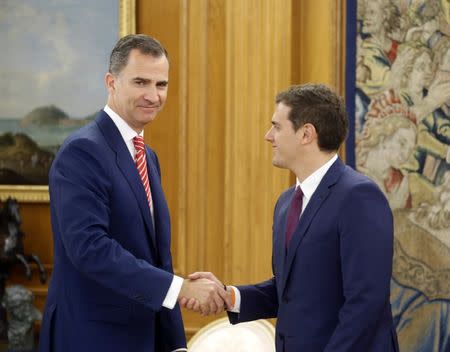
54 58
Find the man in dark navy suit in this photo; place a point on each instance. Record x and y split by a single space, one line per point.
113 287
332 239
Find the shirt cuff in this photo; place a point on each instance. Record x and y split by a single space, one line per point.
172 294
237 301
180 350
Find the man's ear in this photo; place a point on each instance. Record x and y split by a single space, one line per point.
110 81
309 133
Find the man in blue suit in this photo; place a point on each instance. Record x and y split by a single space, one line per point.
113 287
332 239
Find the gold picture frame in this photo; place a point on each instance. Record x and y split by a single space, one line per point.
40 194
127 17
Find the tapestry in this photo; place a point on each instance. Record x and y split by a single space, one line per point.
398 98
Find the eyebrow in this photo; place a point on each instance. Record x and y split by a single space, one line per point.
145 80
274 123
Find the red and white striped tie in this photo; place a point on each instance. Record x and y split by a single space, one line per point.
141 164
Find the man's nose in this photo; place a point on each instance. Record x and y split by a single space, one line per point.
268 136
151 94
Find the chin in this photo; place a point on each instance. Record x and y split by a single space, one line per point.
277 163
149 118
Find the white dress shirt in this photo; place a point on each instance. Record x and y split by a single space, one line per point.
308 186
128 134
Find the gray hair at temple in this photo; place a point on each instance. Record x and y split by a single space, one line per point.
142 42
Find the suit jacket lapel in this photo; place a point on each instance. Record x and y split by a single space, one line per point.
155 188
317 199
279 245
128 168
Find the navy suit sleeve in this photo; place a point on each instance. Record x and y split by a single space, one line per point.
257 302
366 237
79 191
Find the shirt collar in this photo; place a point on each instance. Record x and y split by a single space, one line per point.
125 130
310 184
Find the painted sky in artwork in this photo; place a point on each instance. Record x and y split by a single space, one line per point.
55 52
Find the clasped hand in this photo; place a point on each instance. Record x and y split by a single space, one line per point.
203 292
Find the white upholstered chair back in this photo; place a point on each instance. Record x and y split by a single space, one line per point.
221 336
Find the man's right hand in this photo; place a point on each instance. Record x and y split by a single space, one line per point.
205 295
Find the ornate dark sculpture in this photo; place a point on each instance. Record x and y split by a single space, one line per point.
18 302
12 252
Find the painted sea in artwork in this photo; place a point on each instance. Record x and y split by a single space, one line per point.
51 78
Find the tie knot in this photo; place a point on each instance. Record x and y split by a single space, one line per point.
138 142
298 192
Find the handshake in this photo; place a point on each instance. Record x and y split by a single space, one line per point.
203 292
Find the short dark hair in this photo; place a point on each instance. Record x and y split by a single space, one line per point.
320 106
142 42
